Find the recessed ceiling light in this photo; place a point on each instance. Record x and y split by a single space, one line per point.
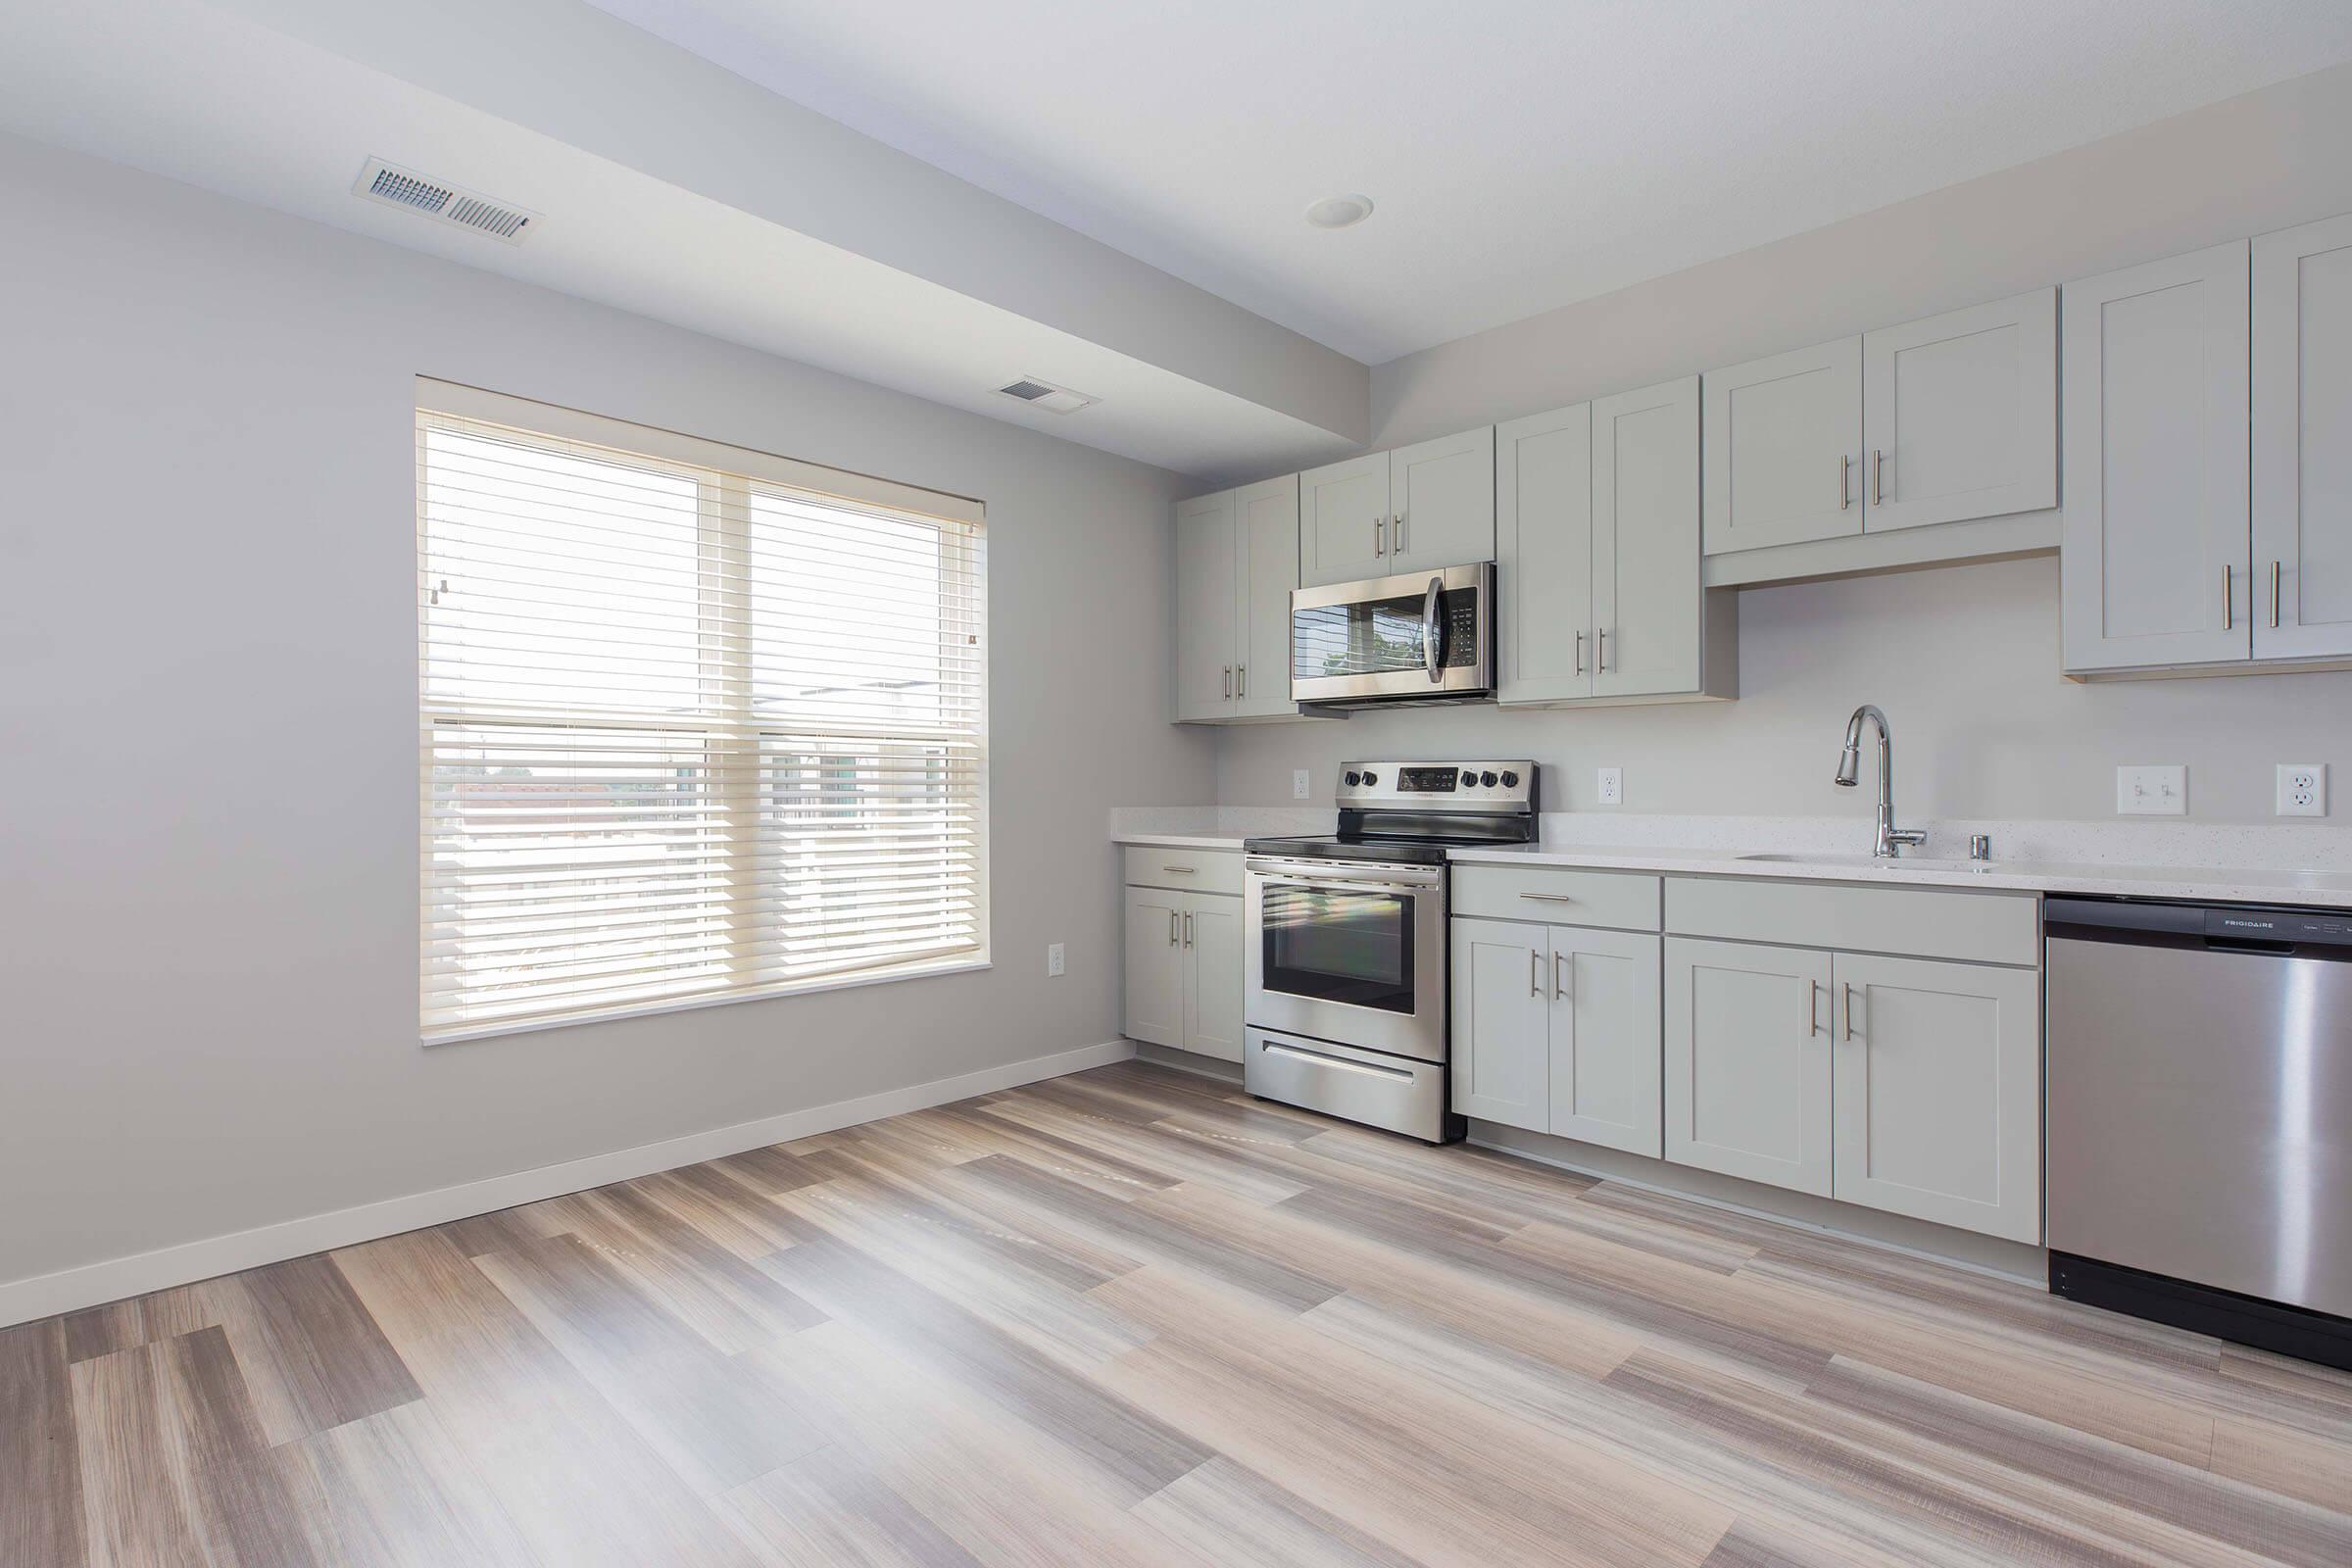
1338 212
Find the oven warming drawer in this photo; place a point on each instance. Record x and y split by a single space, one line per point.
1400 1093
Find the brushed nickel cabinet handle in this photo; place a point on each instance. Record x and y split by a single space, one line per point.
2274 595
1580 652
1397 534
1845 489
1878 477
1229 683
1849 1011
2228 604
1171 928
1812 1008
1241 680
1560 991
1181 870
1188 928
1535 973
1600 661
1550 897
1378 524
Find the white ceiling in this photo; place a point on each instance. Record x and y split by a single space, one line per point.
1524 154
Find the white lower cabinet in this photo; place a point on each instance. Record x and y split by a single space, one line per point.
1936 1094
1500 1010
1907 1085
1556 1029
1748 1061
1184 970
1605 1085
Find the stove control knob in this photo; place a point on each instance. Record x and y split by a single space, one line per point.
1510 780
1354 777
1468 778
1371 777
1487 779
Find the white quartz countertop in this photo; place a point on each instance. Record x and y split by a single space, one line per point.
2103 861
2221 884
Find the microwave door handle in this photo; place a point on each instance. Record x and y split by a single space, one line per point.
1429 627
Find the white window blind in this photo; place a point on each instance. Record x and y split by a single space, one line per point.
698 723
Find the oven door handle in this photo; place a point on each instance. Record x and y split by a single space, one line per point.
1429 649
1340 886
1419 878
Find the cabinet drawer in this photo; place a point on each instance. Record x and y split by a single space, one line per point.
1625 899
1926 922
1194 870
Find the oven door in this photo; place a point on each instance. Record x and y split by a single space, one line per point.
1348 952
1426 636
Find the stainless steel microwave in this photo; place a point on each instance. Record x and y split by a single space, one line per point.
1422 637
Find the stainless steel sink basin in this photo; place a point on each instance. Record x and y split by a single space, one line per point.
1873 863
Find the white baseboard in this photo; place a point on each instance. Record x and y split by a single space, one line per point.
116 1278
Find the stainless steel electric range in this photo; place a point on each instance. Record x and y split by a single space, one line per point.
1345 997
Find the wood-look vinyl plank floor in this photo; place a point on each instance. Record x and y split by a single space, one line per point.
1133 1319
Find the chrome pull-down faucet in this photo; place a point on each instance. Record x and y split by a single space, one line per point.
1890 838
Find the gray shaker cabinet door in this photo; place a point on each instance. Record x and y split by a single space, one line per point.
1784 448
1606 1080
1646 597
2154 559
2302 484
1748 1061
1205 606
1344 521
1543 556
1501 995
1937 1090
1960 414
1266 556
1442 494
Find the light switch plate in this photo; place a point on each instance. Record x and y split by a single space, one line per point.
1298 785
2159 790
1052 959
1612 786
2302 789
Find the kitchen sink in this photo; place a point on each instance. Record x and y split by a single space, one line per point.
1908 862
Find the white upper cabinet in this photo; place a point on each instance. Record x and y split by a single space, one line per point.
1784 447
1236 561
2155 561
1597 554
1441 501
1205 564
1344 521
1647 626
1960 414
1386 512
1543 556
2302 442
1266 554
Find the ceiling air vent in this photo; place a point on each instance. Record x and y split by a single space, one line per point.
1046 395
381 182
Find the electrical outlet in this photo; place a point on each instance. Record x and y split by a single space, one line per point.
1298 785
1052 959
1612 786
2302 789
2161 791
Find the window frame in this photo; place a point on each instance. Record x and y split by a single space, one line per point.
737 470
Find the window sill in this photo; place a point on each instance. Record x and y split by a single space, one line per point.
794 988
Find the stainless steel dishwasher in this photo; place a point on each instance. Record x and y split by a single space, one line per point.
2200 1117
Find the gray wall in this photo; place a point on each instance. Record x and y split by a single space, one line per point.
207 725
1964 659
